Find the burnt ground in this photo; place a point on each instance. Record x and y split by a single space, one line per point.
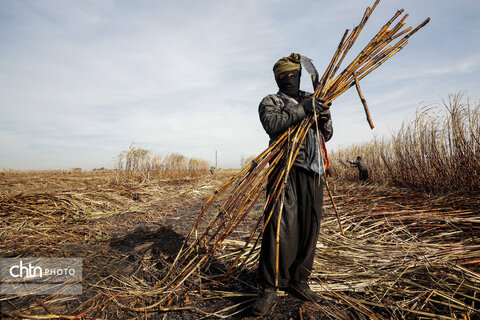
128 235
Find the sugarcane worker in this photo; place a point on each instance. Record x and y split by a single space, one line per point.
362 168
302 206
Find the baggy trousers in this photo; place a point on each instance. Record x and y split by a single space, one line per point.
363 175
299 228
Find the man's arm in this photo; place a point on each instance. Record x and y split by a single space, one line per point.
353 163
326 128
325 121
276 118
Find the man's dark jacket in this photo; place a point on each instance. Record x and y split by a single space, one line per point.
279 111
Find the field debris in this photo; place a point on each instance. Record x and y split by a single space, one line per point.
405 254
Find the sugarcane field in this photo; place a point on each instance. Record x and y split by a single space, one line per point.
143 176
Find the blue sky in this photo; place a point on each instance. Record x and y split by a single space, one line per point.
82 80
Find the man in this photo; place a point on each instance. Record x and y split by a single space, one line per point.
362 168
302 208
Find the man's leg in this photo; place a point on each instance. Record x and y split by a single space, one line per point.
288 238
287 248
363 175
310 201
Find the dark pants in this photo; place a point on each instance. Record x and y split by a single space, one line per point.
363 175
299 228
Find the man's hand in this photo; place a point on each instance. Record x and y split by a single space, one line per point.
321 106
317 104
324 113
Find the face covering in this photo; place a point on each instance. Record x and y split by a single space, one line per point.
289 82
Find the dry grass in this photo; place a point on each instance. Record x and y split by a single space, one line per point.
141 164
435 152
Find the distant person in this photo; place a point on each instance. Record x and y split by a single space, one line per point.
362 168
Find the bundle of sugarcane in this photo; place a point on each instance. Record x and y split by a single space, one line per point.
273 165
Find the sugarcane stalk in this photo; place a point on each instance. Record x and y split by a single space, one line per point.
360 77
258 191
375 66
217 242
330 67
401 33
364 52
242 251
323 166
233 196
364 102
217 193
334 205
269 204
280 211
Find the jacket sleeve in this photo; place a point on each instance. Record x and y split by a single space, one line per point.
326 128
276 117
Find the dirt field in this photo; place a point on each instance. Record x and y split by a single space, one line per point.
404 255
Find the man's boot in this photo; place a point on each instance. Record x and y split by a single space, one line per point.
264 301
302 290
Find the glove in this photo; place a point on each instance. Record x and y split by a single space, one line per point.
324 114
317 103
320 104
